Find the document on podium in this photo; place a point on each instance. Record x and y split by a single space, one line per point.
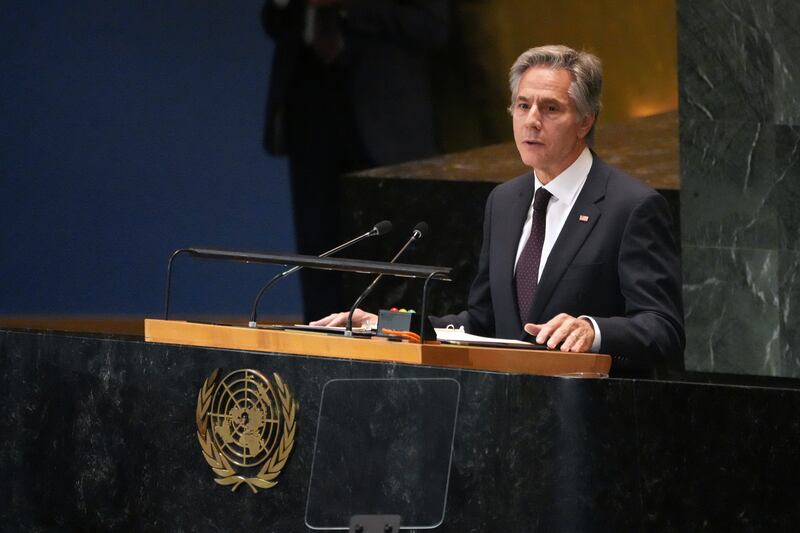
459 336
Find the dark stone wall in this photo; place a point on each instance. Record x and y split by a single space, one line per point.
739 73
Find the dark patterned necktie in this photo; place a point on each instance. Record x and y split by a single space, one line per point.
527 275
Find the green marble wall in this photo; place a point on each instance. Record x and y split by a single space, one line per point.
739 73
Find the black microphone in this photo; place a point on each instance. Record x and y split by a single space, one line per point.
419 231
381 228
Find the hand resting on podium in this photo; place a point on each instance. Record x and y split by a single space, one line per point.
563 332
360 318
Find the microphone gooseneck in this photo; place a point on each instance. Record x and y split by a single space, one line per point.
420 230
381 228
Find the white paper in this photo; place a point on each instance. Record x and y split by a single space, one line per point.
458 335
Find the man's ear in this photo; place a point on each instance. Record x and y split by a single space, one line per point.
585 125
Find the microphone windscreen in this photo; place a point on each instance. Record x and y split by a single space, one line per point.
421 229
382 228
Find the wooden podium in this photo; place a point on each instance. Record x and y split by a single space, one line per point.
511 360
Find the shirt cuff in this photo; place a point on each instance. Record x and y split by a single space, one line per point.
596 343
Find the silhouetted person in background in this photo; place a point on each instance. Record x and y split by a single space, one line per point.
349 89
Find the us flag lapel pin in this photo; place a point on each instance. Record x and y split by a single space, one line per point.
584 218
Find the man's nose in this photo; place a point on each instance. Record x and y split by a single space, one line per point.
534 118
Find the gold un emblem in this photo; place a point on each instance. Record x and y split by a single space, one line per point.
244 421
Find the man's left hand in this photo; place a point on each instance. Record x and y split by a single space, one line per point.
574 334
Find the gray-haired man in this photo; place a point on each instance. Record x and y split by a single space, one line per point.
588 263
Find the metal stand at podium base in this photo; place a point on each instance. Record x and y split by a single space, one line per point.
375 523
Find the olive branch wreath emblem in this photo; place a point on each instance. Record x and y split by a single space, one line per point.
220 464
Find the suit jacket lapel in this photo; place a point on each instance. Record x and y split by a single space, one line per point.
571 238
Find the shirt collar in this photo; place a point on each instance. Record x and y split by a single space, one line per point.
566 185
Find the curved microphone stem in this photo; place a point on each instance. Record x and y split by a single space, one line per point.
169 280
374 231
424 315
265 288
348 330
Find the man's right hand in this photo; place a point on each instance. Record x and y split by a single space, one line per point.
360 318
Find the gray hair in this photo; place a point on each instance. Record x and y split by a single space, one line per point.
584 68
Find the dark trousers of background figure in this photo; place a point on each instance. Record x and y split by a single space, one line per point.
323 143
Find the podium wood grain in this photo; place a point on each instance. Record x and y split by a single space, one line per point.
519 361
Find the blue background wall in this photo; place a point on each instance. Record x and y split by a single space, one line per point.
130 129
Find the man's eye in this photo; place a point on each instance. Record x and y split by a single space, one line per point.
552 108
522 105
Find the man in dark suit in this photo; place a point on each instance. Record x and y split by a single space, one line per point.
349 89
576 254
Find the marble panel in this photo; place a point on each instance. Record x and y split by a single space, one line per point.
568 457
786 42
106 433
731 305
728 173
735 450
784 196
725 60
789 276
481 437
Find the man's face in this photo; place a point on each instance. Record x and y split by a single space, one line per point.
547 129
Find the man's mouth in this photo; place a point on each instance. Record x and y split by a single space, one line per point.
533 142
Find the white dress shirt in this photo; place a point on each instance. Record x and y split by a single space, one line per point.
565 189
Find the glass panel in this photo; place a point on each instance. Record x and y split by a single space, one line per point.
383 446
